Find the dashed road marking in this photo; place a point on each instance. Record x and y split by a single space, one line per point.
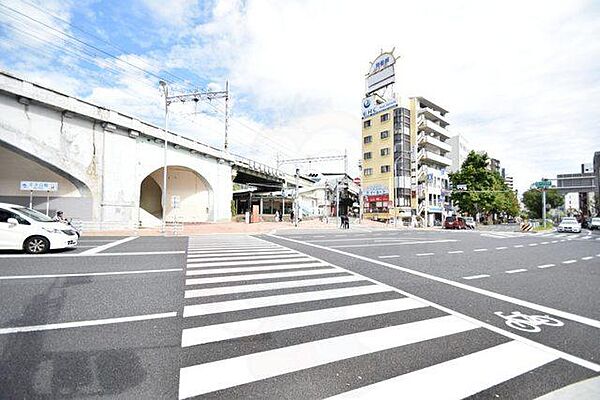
587 258
532 244
392 256
514 271
478 250
518 245
456 252
501 248
424 254
569 261
546 265
476 276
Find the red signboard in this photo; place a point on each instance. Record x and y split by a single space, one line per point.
381 197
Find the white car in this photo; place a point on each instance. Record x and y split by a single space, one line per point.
22 228
595 223
569 224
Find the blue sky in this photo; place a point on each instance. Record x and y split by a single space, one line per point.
520 79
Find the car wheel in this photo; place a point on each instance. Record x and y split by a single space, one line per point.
36 245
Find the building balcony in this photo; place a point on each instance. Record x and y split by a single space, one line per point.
424 139
426 156
432 115
431 127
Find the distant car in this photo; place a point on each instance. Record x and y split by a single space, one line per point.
470 222
452 222
595 223
569 224
22 228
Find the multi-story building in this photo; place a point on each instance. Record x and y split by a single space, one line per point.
580 189
508 180
405 151
460 151
431 162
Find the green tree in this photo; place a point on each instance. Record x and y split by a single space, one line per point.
486 190
533 201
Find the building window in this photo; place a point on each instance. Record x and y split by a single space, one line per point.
385 169
368 171
384 134
367 139
385 117
367 155
384 152
367 123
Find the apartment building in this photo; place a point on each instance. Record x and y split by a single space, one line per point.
460 150
431 162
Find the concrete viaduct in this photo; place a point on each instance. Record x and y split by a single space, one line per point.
109 165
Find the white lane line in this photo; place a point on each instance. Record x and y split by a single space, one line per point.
60 255
532 244
140 271
424 254
518 245
254 277
400 243
221 270
587 258
239 258
554 241
454 379
546 266
247 262
562 240
215 333
79 324
476 276
501 248
514 271
478 250
569 261
456 252
393 256
257 287
258 302
205 378
544 242
547 310
108 245
240 254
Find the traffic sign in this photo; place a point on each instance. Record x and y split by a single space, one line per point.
543 184
39 186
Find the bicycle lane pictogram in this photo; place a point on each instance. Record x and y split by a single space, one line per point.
576 340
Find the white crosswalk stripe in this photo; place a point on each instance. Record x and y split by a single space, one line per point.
225 307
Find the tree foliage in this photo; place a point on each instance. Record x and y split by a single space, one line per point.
533 201
486 190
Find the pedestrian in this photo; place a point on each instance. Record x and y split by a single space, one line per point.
277 216
292 216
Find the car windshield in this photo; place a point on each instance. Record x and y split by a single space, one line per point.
450 219
34 215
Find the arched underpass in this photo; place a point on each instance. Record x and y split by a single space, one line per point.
194 193
73 196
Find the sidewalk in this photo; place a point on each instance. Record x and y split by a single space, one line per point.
237 227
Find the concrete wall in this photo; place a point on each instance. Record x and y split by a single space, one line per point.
99 152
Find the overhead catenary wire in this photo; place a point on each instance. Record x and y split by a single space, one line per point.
113 64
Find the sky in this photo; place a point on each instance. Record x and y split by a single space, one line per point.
521 80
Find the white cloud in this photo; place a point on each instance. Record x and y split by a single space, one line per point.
515 76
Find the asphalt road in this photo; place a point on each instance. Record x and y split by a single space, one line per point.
92 326
304 315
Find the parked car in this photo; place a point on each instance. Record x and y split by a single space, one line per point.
569 224
470 222
595 223
22 228
452 222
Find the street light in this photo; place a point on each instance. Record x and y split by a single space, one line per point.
165 89
296 199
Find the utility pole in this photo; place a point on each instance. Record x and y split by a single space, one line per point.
226 144
296 198
165 88
337 202
544 206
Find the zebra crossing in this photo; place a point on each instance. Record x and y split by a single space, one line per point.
264 321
